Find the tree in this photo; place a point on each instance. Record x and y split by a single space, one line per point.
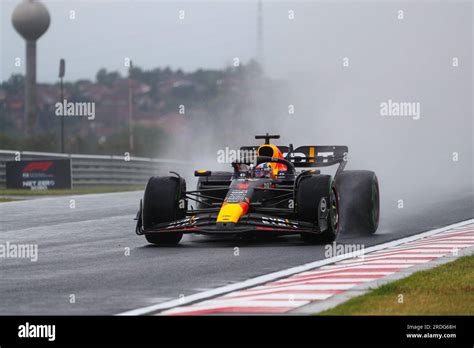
107 78
15 84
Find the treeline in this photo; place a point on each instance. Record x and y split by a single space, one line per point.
164 101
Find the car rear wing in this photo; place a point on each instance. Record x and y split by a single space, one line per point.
318 156
305 156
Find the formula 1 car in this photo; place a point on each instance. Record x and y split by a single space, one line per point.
272 190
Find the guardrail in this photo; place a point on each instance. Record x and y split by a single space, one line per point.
93 170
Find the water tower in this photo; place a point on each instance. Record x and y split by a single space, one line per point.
31 20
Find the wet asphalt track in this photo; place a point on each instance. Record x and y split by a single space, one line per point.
82 252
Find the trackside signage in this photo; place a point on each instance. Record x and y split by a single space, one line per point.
39 174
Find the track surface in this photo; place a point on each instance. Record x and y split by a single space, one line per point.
82 252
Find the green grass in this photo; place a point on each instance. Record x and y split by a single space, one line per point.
74 191
445 290
3 200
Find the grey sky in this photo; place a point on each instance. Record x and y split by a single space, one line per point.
104 32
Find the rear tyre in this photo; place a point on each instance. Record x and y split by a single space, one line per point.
163 201
359 200
316 202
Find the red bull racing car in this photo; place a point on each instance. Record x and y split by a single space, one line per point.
272 190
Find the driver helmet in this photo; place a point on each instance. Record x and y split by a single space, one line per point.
263 170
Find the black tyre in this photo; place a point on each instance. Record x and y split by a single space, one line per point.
359 201
215 179
163 201
316 202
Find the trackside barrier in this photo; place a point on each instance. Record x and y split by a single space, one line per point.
93 170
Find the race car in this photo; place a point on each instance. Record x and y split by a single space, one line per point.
271 191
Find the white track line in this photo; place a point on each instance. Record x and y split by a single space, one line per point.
276 296
285 273
367 265
292 287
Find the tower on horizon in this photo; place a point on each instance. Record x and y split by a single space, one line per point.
31 20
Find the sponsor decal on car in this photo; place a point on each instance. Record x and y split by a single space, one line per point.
273 221
189 221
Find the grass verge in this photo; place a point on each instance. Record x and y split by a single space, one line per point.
3 200
445 290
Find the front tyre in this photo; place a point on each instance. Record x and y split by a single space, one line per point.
163 201
317 202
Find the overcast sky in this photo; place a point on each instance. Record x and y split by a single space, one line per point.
104 32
